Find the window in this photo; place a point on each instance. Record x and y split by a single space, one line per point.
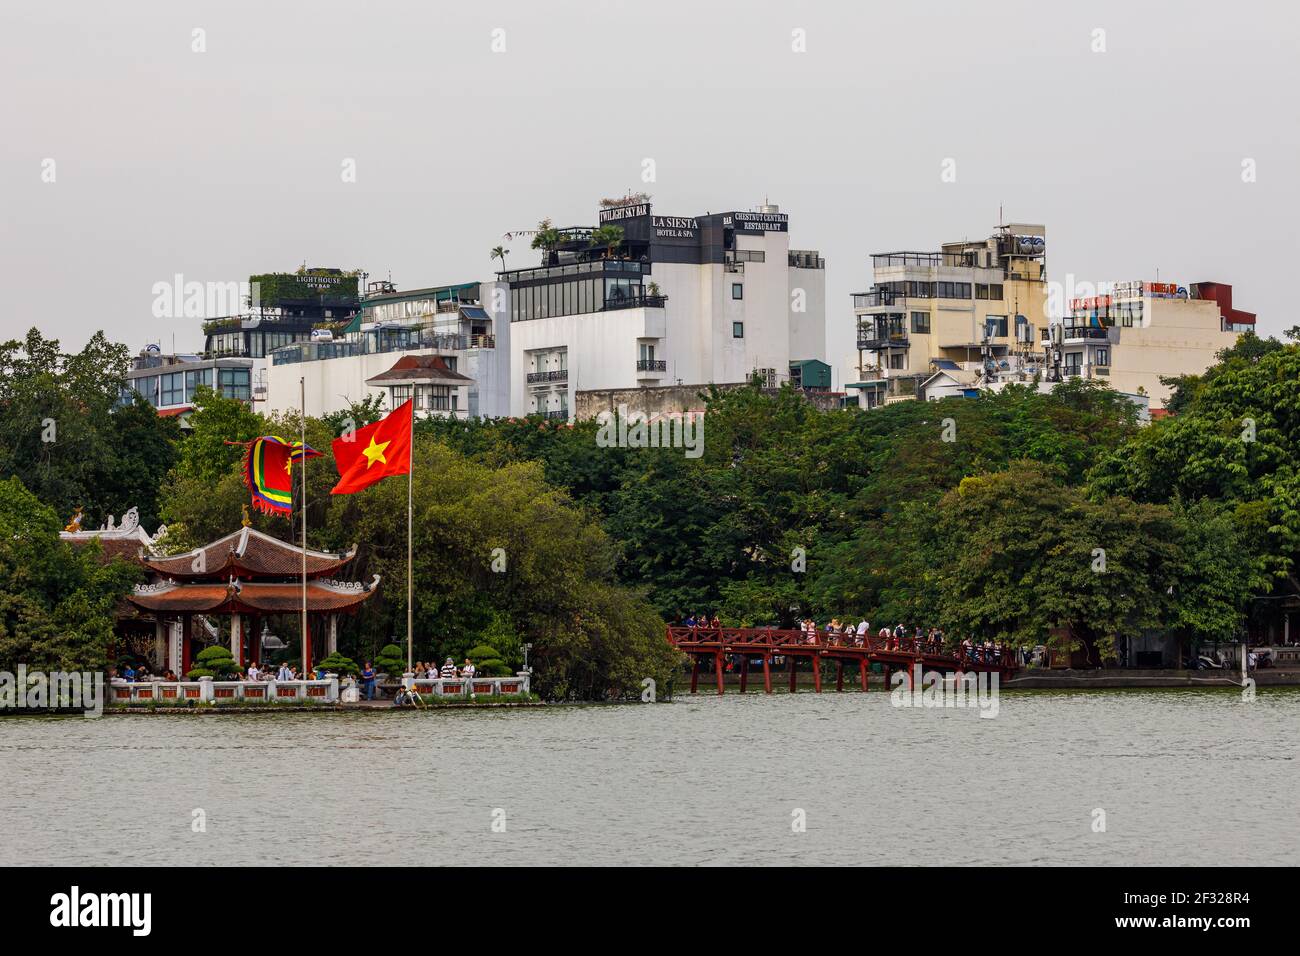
737 292
921 322
440 398
737 330
400 394
1101 357
981 291
234 383
898 361
194 379
952 290
996 325
1073 362
995 292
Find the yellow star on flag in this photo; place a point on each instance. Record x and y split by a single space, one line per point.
375 452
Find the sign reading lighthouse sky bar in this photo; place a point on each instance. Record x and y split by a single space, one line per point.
757 221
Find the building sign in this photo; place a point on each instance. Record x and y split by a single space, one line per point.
619 213
675 227
1154 290
757 221
319 282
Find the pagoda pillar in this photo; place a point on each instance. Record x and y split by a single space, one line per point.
187 628
332 642
237 638
254 639
160 644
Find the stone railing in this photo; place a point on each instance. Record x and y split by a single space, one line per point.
205 690
466 687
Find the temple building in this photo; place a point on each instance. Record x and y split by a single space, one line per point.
246 577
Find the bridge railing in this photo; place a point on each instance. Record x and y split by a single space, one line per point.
777 640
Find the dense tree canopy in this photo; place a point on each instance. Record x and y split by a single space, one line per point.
1005 516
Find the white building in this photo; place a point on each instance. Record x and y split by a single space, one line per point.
452 322
1141 332
671 300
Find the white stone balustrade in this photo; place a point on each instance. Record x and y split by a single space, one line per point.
205 690
468 687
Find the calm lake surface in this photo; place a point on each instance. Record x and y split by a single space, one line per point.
1196 777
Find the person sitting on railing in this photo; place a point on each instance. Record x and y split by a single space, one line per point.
129 673
170 675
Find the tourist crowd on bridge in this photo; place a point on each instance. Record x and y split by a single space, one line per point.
837 633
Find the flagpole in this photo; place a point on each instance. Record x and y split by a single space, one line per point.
306 634
410 550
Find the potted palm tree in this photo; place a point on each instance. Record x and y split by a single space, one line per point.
547 238
499 252
608 236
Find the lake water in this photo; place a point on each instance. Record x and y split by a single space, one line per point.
1184 777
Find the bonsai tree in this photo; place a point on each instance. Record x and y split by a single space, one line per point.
391 660
215 661
336 663
487 661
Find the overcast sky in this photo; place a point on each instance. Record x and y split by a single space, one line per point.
227 162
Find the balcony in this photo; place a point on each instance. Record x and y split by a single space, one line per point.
635 300
558 413
651 365
544 378
873 341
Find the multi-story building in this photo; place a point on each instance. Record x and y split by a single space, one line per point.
450 322
284 308
1142 331
662 300
169 382
971 305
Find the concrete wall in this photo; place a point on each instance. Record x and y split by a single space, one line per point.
1177 337
672 398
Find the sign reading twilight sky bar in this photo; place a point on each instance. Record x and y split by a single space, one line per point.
619 213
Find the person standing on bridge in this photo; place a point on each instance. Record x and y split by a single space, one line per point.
864 628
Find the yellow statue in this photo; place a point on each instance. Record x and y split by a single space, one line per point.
75 523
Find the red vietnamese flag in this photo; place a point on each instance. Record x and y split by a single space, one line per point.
374 452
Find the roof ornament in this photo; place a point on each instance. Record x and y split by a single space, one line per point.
130 521
247 522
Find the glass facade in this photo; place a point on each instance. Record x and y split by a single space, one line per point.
172 388
575 289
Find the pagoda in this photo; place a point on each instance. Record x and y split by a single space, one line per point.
247 576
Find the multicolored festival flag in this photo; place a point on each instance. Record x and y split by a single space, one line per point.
374 452
268 471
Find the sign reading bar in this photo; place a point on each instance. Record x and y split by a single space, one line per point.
758 221
618 213
675 227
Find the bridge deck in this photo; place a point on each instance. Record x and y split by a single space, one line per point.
703 643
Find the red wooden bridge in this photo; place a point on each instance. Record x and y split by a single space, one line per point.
892 653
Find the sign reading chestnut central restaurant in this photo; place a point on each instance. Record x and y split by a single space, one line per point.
757 221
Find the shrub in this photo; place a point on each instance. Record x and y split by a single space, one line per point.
336 663
487 661
391 660
215 661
